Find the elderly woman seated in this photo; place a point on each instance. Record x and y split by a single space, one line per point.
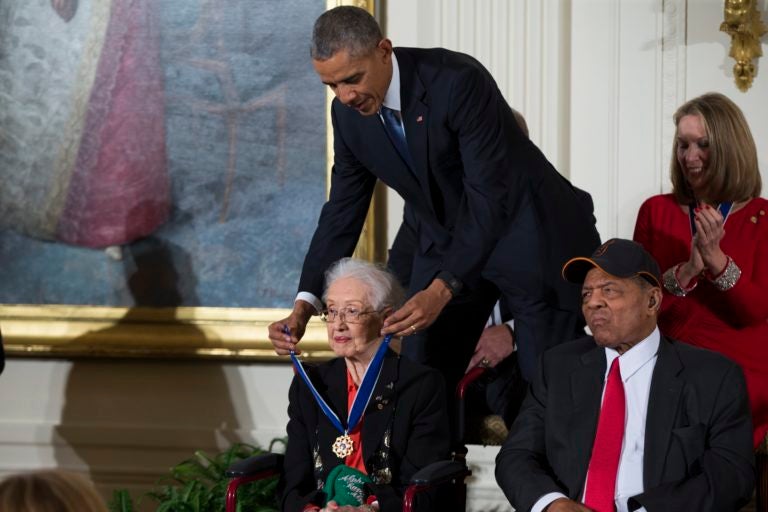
362 424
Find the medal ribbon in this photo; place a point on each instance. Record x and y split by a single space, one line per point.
364 392
724 208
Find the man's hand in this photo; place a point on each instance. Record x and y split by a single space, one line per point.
296 323
495 345
419 312
566 505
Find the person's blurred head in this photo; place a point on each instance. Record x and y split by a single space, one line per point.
714 157
620 294
49 491
352 57
358 297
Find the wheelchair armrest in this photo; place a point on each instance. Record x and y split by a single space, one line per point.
461 390
470 377
256 464
440 472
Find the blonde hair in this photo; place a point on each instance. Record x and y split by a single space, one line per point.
49 491
733 173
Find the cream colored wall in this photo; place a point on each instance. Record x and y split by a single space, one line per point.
127 421
597 80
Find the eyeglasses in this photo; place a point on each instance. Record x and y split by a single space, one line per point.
349 314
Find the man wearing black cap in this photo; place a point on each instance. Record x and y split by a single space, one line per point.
628 418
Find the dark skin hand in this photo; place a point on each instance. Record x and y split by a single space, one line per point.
495 344
419 312
296 324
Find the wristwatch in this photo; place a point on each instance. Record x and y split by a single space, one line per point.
451 281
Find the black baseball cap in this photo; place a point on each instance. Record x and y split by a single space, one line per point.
617 257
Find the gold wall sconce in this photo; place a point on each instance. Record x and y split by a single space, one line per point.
743 24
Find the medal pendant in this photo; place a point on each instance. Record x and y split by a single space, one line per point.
343 446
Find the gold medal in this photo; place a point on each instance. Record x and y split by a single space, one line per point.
343 446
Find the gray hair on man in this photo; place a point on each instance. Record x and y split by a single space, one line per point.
344 28
383 288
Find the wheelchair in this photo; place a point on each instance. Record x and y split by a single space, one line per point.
451 474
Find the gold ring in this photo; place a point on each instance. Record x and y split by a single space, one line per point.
413 329
485 363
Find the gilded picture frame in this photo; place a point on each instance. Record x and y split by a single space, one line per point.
62 330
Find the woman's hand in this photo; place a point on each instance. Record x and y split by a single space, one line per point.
691 268
709 233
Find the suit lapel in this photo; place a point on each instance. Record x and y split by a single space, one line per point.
586 390
415 112
380 408
664 397
389 165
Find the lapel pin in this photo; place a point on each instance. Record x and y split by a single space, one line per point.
420 119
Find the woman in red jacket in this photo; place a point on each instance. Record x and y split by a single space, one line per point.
710 238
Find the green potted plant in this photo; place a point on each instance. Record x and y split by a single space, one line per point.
199 484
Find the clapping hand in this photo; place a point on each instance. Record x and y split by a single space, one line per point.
709 233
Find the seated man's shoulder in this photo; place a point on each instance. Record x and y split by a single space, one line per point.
571 349
701 358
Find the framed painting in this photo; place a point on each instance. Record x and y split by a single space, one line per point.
163 164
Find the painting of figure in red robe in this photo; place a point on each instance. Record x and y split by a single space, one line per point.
198 123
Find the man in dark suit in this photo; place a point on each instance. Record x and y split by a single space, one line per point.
672 431
492 215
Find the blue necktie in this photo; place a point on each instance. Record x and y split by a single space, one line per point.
396 134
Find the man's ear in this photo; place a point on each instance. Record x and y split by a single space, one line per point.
654 299
385 45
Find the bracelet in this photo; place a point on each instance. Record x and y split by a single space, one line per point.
727 278
672 284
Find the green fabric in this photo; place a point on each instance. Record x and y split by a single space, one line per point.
346 486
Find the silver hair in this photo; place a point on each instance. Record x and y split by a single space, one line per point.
383 288
344 28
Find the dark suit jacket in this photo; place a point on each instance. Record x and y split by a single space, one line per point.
698 449
409 400
488 203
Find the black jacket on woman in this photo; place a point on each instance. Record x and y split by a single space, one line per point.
405 428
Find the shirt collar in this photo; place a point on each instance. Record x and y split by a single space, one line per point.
392 98
636 357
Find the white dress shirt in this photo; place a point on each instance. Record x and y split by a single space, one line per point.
636 366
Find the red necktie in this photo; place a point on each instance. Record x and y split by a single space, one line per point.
604 464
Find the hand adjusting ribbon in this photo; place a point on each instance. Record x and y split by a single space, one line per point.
343 446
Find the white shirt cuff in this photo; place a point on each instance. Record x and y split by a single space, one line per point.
308 297
545 500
